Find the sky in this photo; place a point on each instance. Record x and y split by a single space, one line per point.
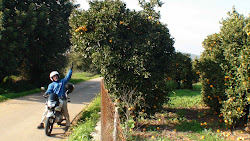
191 21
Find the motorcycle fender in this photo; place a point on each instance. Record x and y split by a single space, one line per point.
50 114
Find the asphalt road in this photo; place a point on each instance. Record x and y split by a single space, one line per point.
20 117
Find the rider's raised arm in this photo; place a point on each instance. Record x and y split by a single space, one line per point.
68 76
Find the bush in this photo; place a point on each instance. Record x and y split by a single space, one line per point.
171 85
15 84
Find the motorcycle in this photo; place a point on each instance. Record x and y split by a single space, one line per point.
54 108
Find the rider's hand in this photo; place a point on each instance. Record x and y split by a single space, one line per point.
45 95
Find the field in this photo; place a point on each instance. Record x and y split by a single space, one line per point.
186 117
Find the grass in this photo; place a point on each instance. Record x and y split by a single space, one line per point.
76 78
7 96
179 121
82 131
82 76
185 117
186 98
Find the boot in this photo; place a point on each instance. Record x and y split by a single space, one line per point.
40 126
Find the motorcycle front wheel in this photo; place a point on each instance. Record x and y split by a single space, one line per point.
49 125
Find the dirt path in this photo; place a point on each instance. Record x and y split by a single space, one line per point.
19 117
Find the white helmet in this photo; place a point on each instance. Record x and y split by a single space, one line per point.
53 73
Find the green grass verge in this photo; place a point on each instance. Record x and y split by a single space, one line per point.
82 76
186 98
87 123
76 78
4 97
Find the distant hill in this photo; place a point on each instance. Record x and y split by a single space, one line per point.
193 56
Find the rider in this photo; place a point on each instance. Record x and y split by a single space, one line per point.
57 86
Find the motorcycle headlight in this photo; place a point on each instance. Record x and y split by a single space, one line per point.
51 104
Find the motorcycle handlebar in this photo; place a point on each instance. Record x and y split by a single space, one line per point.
45 95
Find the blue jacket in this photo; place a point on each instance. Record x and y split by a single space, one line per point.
58 87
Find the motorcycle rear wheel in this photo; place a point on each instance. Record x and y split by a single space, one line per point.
49 125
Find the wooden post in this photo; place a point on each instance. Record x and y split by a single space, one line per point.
115 124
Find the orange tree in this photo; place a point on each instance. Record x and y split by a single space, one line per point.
235 42
82 60
132 50
181 71
224 69
34 38
211 73
1 21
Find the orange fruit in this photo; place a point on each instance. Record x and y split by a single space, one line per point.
239 109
